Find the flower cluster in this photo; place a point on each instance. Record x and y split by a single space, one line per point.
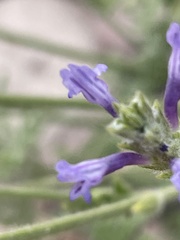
147 137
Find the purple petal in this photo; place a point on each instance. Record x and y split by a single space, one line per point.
120 160
100 68
175 179
73 88
175 165
172 92
80 189
90 173
87 197
173 35
171 98
84 79
63 164
66 171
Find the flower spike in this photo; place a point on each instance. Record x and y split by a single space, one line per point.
84 79
172 92
90 173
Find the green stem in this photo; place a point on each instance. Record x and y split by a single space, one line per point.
39 230
29 192
55 49
13 101
60 224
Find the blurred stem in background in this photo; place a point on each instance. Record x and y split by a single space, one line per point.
15 101
55 49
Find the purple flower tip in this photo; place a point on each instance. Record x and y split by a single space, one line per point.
173 35
100 68
172 92
90 173
175 179
82 79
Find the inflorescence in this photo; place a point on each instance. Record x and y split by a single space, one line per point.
147 136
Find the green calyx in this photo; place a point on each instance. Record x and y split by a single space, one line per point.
143 128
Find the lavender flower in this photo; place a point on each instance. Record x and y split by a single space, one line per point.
172 92
175 179
84 79
90 173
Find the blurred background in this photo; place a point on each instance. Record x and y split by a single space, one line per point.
39 125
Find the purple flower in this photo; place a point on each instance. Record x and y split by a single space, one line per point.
172 92
175 179
84 79
90 173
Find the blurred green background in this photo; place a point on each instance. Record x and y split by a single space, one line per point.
39 38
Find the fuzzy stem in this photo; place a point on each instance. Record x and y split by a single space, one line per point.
43 229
